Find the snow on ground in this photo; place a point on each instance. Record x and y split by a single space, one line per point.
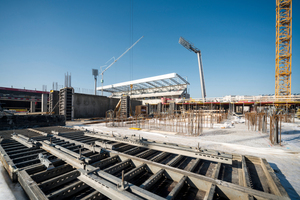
285 159
8 189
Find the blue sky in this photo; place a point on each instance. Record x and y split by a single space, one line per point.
40 41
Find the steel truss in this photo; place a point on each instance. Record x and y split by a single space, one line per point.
283 60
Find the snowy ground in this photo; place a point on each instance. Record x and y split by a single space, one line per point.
8 189
285 159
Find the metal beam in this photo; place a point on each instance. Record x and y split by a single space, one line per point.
33 152
140 81
106 188
216 171
96 157
59 180
67 191
18 150
152 180
134 172
160 156
151 84
246 174
30 187
276 187
93 196
104 145
169 84
135 189
175 160
134 150
107 161
202 154
38 167
60 154
118 167
12 146
8 164
209 195
201 180
180 184
176 189
25 158
158 83
44 175
124 148
23 140
193 166
30 162
174 81
87 146
145 153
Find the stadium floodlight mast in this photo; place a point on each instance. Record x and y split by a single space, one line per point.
115 60
189 46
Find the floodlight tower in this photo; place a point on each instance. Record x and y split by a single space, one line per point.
189 46
95 73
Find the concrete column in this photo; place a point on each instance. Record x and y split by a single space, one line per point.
243 109
276 130
32 106
44 103
263 124
171 108
148 108
159 106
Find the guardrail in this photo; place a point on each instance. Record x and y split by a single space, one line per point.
293 98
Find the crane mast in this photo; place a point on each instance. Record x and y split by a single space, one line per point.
283 60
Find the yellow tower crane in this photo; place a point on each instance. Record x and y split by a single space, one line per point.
283 60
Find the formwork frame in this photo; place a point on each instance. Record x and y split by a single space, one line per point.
98 168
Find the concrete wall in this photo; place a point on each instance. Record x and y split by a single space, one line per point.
29 121
87 106
133 104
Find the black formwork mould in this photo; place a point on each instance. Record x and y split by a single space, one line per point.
66 102
125 106
128 168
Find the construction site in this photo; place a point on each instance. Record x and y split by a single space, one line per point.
150 139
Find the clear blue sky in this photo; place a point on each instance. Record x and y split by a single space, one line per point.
42 40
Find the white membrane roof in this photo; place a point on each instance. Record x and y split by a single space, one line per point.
155 82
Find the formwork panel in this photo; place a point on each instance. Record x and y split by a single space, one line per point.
149 174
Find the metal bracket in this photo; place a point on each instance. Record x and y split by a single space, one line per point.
123 185
23 140
44 160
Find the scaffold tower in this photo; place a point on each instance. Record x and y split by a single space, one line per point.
283 60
